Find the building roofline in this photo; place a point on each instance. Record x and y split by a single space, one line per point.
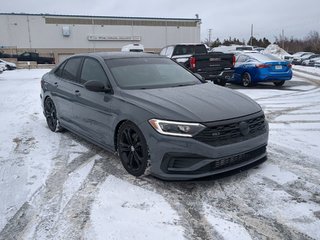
99 16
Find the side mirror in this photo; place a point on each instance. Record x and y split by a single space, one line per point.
96 86
199 76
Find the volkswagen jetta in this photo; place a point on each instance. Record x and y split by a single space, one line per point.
154 112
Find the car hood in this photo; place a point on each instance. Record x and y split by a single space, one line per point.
196 103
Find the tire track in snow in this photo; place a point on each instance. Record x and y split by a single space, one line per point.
42 209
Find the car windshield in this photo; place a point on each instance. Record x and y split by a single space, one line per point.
264 57
140 73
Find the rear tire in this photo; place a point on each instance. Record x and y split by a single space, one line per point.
132 149
51 116
278 83
246 79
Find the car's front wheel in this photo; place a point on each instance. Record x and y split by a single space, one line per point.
246 79
51 115
278 83
132 149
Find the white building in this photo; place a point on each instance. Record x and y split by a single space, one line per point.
64 35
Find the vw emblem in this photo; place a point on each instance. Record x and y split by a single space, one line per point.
244 128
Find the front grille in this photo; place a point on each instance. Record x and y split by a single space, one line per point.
223 134
236 159
180 164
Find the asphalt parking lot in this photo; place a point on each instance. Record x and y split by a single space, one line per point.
58 186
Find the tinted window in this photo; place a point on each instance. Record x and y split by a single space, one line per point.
189 49
243 48
92 70
134 73
59 70
71 69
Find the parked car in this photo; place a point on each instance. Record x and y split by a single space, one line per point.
9 65
152 111
300 56
2 67
213 66
256 67
136 47
259 49
317 63
308 61
32 56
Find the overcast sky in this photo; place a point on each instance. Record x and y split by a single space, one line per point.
225 17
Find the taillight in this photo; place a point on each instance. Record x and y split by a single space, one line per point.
289 65
233 60
262 66
192 63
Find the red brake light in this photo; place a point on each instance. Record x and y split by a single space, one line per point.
262 66
192 63
233 60
289 65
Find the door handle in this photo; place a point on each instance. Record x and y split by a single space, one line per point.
77 93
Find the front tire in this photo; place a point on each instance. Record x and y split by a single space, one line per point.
220 82
132 149
51 115
246 80
278 83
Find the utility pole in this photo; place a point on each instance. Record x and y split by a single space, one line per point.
282 38
210 31
251 34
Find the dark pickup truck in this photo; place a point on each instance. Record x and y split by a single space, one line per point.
32 56
214 66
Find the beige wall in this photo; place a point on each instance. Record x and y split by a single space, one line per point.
36 33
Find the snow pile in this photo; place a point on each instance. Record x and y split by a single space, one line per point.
275 50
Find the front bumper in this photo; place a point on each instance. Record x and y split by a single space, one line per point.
180 158
225 75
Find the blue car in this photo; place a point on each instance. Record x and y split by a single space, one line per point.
252 68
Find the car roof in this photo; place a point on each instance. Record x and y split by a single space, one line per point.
115 55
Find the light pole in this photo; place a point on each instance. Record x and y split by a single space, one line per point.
209 32
251 34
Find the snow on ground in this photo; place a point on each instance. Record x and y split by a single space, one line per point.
142 213
307 70
58 186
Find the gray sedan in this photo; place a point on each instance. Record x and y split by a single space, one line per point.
153 112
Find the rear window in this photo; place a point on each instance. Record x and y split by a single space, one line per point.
189 49
264 57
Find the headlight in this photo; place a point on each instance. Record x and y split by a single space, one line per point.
180 129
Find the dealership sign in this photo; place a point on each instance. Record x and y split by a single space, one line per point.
113 38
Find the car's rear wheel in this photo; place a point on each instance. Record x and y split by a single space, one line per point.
278 83
132 149
51 115
246 79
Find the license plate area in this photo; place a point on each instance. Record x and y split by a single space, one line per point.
278 67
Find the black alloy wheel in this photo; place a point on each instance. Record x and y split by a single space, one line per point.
132 149
278 83
246 79
51 115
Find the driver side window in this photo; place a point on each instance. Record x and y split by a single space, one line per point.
92 70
